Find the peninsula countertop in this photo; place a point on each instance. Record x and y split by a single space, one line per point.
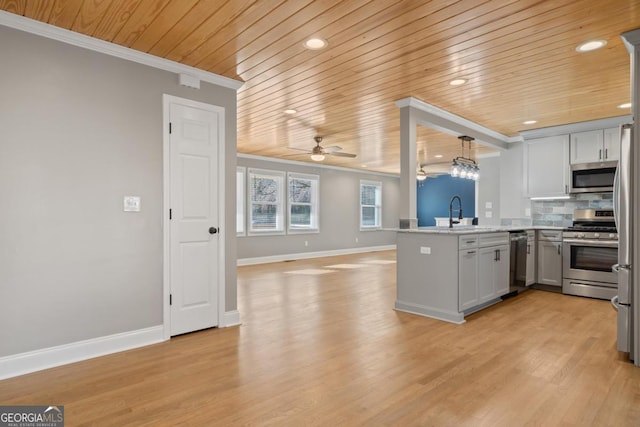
475 229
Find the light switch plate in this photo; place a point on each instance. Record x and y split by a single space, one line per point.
425 250
488 214
132 203
488 205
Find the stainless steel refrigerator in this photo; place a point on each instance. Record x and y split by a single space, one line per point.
622 207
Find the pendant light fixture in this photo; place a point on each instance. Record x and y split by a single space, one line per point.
465 167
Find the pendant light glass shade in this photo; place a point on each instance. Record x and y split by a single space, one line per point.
465 167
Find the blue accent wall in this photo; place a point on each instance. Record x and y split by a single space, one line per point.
434 195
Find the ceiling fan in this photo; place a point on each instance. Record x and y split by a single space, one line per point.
319 152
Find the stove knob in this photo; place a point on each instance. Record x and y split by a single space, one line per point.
580 236
613 236
596 235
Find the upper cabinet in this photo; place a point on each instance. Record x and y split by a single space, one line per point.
595 146
547 166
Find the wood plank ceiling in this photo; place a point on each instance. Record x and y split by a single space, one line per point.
518 56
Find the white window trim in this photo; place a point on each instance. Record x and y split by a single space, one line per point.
280 204
315 204
378 206
241 185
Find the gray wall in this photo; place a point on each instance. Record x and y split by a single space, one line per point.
339 213
488 190
80 130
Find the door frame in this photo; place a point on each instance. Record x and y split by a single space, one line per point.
167 100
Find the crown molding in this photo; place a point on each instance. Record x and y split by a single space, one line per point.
76 39
479 132
610 122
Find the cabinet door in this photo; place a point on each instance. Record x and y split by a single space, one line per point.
486 288
501 271
467 279
612 144
531 262
547 161
550 263
586 147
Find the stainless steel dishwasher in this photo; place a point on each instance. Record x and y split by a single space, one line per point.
518 262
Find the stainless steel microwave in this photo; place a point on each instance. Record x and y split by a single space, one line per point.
595 177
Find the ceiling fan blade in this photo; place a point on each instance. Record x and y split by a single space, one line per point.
339 154
331 149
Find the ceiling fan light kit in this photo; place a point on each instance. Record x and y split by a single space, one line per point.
318 153
465 167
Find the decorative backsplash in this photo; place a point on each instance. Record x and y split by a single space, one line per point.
559 213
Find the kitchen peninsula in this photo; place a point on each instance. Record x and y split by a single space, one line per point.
448 273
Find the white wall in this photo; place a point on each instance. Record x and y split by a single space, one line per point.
339 213
80 130
488 191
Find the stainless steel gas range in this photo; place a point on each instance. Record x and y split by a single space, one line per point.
590 249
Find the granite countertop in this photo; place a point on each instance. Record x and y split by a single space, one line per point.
475 229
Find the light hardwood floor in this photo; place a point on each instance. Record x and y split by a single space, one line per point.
328 349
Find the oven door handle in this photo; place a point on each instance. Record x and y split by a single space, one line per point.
603 243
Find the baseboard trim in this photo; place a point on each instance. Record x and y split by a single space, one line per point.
231 318
422 310
307 255
25 363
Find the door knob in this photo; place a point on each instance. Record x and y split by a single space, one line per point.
213 230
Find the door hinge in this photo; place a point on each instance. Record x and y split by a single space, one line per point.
170 214
170 299
169 127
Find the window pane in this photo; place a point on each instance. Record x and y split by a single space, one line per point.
264 189
301 215
264 216
368 195
300 190
369 216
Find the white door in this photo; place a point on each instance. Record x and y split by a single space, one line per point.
195 136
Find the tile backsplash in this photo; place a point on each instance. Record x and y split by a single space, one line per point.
559 213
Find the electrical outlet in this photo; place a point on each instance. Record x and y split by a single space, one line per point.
488 214
356 240
425 250
306 243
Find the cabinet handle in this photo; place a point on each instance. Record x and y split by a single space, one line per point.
600 154
471 241
528 249
471 252
558 249
606 153
498 251
566 188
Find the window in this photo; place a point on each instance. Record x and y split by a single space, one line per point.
370 204
240 186
303 202
266 190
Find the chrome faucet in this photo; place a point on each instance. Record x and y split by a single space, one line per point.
451 221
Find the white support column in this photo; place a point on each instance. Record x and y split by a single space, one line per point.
408 156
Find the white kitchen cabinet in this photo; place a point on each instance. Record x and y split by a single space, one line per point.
550 257
547 166
531 258
483 269
468 278
493 272
595 146
612 143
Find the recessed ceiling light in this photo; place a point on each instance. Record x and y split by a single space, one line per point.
457 82
290 111
438 156
315 43
529 122
591 45
365 166
625 105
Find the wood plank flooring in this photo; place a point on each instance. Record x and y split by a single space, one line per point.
328 350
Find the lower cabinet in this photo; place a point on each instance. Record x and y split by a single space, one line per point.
483 272
550 258
531 258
